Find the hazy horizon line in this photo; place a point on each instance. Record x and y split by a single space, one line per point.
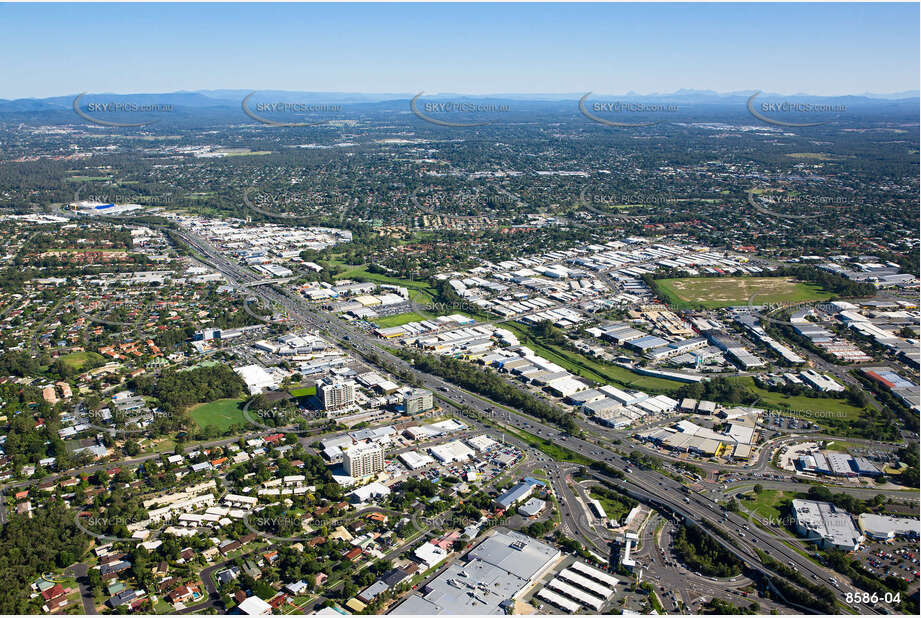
577 94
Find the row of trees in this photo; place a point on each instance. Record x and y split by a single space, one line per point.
805 592
833 282
727 390
845 501
892 405
701 553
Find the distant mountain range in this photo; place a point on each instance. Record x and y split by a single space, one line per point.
226 99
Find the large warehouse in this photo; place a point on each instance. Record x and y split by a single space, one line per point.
827 525
497 572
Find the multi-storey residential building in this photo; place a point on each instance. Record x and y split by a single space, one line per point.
419 400
337 395
363 460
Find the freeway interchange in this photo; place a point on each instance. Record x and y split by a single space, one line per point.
648 486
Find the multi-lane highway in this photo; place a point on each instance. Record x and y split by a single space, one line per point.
648 486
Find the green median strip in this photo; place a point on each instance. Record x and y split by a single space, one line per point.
581 365
548 447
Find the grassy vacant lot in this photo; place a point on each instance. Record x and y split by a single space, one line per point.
817 156
613 509
839 445
307 391
825 408
767 503
419 291
715 292
76 360
221 413
400 319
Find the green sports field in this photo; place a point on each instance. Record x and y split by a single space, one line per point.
399 319
715 292
307 391
76 360
221 413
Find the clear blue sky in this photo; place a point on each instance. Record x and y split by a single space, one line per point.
49 50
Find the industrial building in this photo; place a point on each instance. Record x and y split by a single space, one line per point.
825 524
885 528
488 580
482 443
579 586
415 460
820 382
837 464
532 507
451 452
515 494
257 379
